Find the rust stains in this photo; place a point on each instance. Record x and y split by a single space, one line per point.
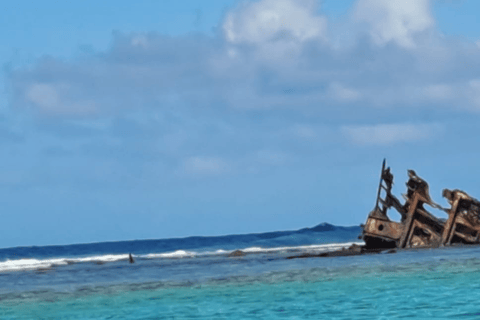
417 226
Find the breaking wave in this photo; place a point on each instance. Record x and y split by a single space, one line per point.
37 264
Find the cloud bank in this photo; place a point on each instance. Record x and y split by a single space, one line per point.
270 78
268 54
397 21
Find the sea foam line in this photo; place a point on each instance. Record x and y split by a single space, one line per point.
36 264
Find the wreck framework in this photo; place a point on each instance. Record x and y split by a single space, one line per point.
418 227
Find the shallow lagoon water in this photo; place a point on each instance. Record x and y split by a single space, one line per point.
421 284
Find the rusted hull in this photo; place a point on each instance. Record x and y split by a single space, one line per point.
418 227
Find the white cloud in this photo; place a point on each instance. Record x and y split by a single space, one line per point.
343 94
464 95
140 41
51 99
474 89
388 134
204 166
266 20
45 96
394 20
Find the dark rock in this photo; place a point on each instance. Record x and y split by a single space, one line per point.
353 250
237 253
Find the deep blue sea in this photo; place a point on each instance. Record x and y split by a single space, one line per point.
195 278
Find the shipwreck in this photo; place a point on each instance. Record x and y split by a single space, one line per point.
418 227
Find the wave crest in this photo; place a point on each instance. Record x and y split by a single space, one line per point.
36 264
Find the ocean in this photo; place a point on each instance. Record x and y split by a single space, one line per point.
199 278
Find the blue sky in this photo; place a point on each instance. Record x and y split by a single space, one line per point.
159 119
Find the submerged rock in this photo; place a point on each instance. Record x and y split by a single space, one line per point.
353 250
237 253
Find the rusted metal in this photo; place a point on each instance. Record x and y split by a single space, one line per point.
418 227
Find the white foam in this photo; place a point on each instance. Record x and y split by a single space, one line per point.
104 258
309 248
35 264
174 254
30 264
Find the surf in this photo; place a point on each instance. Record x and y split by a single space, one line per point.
38 264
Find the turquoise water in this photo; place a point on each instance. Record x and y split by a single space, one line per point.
383 288
196 278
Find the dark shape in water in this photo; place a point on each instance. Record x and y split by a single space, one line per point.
353 250
130 258
237 253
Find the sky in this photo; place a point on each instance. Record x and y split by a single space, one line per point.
124 120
